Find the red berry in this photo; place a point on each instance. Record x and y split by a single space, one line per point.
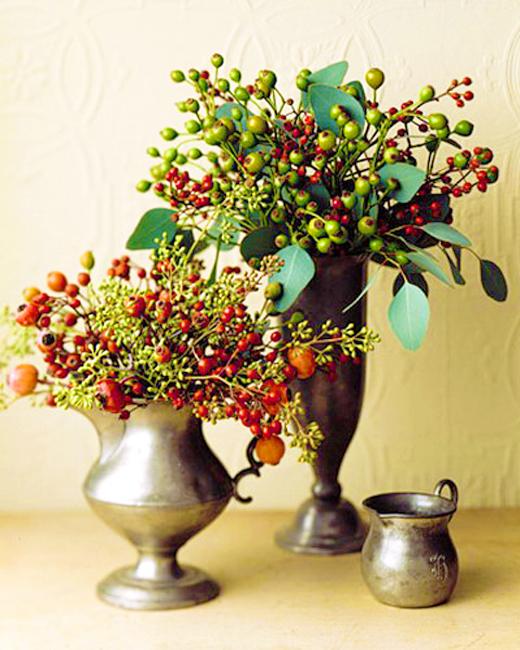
83 279
185 325
22 379
276 336
70 319
270 450
110 394
202 411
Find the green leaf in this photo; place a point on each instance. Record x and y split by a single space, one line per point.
455 271
294 276
410 179
225 111
213 275
409 313
187 238
332 75
493 280
430 264
444 232
259 243
324 97
320 194
151 226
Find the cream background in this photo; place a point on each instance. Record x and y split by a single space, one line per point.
85 88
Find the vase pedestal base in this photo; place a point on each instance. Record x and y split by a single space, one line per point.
123 589
324 528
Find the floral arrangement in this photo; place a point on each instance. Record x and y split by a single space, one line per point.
172 335
331 173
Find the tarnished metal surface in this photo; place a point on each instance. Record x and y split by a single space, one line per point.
157 483
326 524
408 559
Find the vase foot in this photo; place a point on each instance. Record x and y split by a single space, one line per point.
324 528
122 589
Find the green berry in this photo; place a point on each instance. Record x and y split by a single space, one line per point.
247 140
349 201
217 60
253 162
296 157
401 257
194 153
223 85
332 227
226 162
143 186
268 77
273 290
335 111
193 74
283 167
464 128
297 317
241 94
326 140
277 215
192 126
323 245
302 198
340 237
170 154
342 119
426 93
168 134
181 159
442 134
362 186
157 173
373 116
177 76
316 227
256 124
237 113
351 130
182 107
302 83
437 121
281 240
460 160
391 155
153 151
192 105
375 78
219 131
235 75
367 226
375 244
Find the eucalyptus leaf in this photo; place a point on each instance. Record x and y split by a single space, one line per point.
259 243
296 273
444 232
152 225
430 264
324 97
493 280
410 179
409 314
332 75
360 90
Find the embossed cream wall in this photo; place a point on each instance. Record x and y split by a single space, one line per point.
84 90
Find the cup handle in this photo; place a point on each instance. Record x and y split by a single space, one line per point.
453 491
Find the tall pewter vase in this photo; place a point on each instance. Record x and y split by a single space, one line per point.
157 483
326 524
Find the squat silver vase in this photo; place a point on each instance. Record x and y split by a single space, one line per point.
327 524
157 483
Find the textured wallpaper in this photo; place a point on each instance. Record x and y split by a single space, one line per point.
85 89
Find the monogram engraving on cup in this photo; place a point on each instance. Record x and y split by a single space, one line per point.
439 567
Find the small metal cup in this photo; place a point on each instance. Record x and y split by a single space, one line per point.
408 559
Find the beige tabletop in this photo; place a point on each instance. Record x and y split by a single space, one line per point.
270 600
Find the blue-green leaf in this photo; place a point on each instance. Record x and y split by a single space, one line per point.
409 313
225 111
455 271
493 280
428 263
152 225
324 97
259 243
410 179
444 232
332 75
296 273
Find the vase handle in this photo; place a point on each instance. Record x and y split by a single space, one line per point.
452 490
253 468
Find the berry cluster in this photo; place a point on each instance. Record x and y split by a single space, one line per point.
326 172
170 334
